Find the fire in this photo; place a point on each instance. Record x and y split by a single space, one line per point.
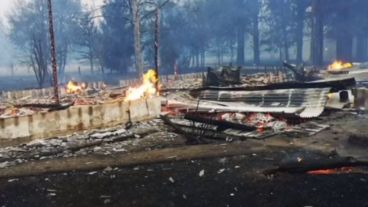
146 90
74 87
339 66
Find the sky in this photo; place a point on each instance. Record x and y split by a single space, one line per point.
7 5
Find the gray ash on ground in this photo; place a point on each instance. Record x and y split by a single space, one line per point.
141 136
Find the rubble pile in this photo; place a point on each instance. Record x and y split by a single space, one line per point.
229 105
73 94
140 136
221 105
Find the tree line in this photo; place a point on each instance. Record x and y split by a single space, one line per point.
194 33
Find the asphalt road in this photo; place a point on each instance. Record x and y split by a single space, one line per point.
235 181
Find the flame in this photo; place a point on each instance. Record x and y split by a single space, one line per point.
145 90
343 170
339 66
74 87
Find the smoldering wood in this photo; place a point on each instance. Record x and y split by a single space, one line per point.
224 76
221 123
194 133
318 164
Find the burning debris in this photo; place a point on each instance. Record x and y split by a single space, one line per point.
227 107
238 108
74 87
339 66
146 90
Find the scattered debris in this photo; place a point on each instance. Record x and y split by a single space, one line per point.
220 171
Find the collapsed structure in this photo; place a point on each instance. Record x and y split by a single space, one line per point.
263 104
220 103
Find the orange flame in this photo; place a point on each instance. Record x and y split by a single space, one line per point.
339 66
75 88
146 90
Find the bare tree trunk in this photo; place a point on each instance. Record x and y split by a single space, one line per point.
91 63
203 57
241 46
361 54
300 32
286 51
344 40
256 50
317 34
157 45
344 47
137 38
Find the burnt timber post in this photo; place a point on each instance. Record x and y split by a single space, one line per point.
157 45
53 53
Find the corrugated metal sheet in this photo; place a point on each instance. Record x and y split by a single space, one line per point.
306 103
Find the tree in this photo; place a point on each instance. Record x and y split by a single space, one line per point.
300 17
255 19
281 34
87 41
29 31
116 46
66 17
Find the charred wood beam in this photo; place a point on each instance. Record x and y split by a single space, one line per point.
298 72
51 107
314 165
197 133
221 124
190 136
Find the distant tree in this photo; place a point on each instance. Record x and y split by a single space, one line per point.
255 14
66 17
281 34
116 43
29 31
300 14
88 39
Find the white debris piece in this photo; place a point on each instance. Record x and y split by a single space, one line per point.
101 135
4 164
120 131
201 173
220 171
12 180
171 180
92 173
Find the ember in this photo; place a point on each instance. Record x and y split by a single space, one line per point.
339 66
74 87
343 170
146 90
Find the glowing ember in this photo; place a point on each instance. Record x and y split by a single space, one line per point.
146 90
339 66
344 170
75 88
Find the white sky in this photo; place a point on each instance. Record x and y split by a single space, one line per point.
7 5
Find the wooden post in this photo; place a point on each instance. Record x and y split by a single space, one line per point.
53 53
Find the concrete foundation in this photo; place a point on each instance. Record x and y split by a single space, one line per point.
78 118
